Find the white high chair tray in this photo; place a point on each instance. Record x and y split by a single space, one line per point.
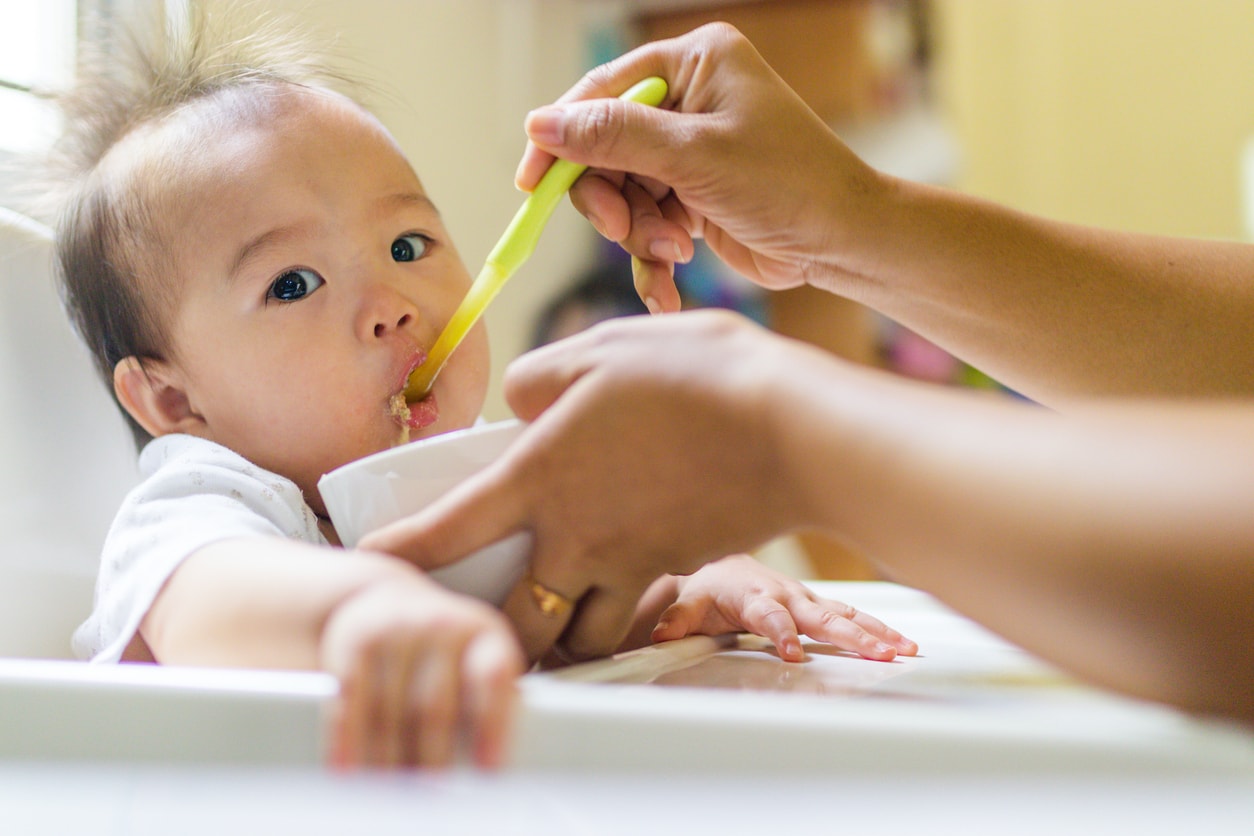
55 710
969 701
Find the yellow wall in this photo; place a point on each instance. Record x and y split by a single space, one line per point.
1125 113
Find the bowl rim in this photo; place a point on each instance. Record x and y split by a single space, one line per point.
451 437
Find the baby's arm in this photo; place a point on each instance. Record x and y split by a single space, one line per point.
739 594
415 662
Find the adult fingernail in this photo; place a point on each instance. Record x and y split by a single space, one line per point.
546 125
597 225
653 305
664 249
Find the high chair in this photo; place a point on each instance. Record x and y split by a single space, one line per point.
66 461
970 702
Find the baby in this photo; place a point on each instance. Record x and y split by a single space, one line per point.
257 269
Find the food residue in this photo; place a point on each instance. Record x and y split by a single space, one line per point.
398 407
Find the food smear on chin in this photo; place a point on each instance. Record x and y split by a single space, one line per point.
398 407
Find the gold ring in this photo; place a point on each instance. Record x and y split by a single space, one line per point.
552 604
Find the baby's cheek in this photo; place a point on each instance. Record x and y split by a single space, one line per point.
473 380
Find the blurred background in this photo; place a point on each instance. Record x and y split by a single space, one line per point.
1136 114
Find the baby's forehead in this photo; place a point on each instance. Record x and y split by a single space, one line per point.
218 142
177 143
169 171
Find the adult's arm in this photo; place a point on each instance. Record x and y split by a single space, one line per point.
1117 542
1051 309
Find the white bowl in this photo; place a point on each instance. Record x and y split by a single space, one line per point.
379 489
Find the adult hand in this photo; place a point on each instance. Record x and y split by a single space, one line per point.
651 449
737 158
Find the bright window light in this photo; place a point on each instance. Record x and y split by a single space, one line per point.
37 44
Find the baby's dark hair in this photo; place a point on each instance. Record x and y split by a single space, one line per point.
114 255
603 292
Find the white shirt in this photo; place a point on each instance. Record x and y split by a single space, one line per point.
194 492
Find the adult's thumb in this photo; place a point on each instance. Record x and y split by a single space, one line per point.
609 133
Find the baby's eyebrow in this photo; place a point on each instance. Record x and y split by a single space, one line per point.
258 245
401 200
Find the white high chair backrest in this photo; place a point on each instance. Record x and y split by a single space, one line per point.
66 457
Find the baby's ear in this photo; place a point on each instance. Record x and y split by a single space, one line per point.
154 396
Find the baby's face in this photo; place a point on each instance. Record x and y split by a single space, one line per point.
314 274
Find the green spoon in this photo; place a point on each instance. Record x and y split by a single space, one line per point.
514 248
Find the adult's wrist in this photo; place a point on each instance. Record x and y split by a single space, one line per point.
849 249
790 392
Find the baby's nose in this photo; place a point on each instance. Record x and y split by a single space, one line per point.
382 328
385 310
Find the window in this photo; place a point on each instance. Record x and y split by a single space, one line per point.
37 42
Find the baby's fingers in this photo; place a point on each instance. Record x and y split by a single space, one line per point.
464 686
490 669
682 618
844 627
432 731
877 628
350 720
758 614
366 718
770 619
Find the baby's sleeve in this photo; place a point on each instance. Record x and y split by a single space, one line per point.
196 492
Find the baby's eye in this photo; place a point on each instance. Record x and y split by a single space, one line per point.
410 247
293 285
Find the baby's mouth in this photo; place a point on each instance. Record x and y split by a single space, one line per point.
415 416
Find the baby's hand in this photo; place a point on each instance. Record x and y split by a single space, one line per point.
418 666
738 593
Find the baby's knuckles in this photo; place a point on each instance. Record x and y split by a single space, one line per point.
398 616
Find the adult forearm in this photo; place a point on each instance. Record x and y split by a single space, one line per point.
1056 310
1118 544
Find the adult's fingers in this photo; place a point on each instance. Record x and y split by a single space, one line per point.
599 198
652 234
640 214
535 381
655 284
605 82
600 624
538 629
611 134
